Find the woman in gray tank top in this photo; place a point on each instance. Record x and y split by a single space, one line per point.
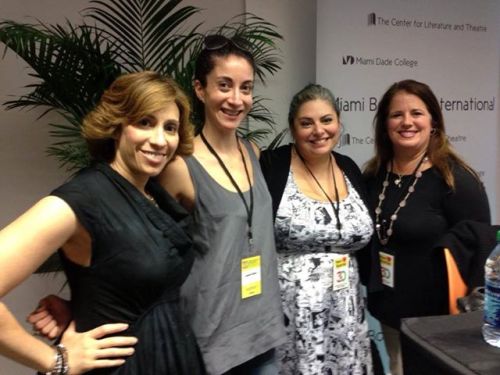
232 294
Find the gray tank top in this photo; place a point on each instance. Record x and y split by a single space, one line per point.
231 330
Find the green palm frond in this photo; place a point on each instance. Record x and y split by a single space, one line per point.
147 34
278 139
181 68
261 113
73 65
71 149
70 155
256 135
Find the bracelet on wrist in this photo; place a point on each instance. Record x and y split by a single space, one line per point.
61 361
56 359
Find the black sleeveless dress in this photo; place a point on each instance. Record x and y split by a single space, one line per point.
140 258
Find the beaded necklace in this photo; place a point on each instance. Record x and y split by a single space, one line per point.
384 237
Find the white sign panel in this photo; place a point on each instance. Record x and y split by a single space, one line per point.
364 46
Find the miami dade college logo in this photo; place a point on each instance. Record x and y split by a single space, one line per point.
347 60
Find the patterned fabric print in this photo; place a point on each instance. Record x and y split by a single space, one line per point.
327 330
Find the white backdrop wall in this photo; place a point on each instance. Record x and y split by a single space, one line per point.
453 45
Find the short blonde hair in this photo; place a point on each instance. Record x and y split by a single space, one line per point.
130 98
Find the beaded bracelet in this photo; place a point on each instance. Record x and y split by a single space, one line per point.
61 361
64 354
57 359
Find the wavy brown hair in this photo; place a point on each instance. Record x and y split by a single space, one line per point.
130 98
439 151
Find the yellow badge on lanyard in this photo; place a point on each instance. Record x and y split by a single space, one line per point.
340 271
251 281
387 268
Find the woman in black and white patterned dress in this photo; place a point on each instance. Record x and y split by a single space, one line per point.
321 221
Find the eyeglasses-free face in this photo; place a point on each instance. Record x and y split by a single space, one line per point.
316 128
227 95
409 123
144 147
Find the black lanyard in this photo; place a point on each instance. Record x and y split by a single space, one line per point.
336 209
223 166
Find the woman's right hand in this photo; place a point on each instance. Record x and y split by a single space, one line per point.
51 317
96 348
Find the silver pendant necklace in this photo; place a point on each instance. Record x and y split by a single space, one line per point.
398 180
383 236
151 199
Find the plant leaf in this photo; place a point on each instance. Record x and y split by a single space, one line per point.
71 66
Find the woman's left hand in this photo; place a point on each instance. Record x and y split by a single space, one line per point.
96 348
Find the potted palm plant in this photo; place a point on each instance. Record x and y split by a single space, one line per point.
73 64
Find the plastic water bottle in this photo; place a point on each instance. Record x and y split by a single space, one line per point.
491 326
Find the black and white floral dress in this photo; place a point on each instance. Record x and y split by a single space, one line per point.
327 328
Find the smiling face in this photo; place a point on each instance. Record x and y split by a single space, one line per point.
409 124
316 128
144 148
227 96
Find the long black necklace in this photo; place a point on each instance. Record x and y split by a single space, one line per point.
248 208
336 208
